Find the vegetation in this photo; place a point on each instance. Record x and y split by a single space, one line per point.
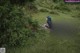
15 28
22 26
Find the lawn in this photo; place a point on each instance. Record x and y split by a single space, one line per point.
53 43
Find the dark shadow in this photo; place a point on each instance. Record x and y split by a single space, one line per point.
64 28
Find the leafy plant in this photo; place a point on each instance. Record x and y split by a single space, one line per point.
12 25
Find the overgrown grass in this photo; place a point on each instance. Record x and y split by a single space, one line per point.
47 42
51 43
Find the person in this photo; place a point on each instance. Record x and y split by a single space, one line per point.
49 22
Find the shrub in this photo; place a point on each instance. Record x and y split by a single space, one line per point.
77 8
54 12
62 8
20 2
12 26
77 16
44 10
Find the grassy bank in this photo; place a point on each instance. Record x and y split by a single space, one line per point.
53 43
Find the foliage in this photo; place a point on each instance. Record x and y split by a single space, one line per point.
62 7
54 12
58 1
18 2
13 30
44 10
77 15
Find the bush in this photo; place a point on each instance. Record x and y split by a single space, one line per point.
20 2
77 8
44 10
54 12
77 16
12 26
62 8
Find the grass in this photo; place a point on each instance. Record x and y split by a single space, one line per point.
51 43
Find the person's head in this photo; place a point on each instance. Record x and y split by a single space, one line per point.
48 17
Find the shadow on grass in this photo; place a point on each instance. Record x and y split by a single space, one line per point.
64 28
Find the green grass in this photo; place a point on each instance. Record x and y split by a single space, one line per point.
51 43
41 17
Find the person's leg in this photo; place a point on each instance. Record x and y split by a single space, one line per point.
50 25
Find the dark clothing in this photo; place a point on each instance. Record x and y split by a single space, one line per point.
49 22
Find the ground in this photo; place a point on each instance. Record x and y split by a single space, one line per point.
55 42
